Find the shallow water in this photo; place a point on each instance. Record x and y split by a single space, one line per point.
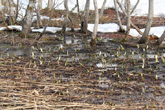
77 48
113 62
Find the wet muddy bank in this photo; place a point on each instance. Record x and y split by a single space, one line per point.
69 71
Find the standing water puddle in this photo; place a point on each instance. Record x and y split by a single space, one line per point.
109 67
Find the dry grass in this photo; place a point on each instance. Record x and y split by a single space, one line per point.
27 83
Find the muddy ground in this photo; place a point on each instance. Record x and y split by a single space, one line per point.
60 72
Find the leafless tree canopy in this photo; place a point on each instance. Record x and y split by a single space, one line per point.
12 9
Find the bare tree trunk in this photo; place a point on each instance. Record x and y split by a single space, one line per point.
64 25
68 17
78 10
41 34
137 29
84 24
12 13
26 27
118 18
160 40
128 20
40 4
121 7
6 6
102 9
135 6
47 24
17 10
50 4
133 25
71 20
149 23
39 22
93 40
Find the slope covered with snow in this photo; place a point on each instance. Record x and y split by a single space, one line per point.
142 8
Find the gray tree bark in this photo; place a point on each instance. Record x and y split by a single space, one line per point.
102 9
135 6
78 10
50 4
42 33
12 13
26 27
40 4
118 18
160 40
93 40
128 20
6 6
17 10
84 24
39 22
133 25
144 37
67 17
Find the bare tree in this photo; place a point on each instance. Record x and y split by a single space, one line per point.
135 6
39 22
78 10
144 37
93 40
128 7
118 18
50 4
132 24
160 40
17 9
12 12
55 4
27 22
84 23
102 9
67 17
40 4
6 6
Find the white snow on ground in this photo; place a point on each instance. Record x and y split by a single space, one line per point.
113 27
13 27
110 27
48 29
46 17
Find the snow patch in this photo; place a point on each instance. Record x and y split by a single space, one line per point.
113 27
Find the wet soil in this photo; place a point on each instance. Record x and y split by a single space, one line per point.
64 72
109 16
69 74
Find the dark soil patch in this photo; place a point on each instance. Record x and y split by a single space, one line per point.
53 84
109 16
